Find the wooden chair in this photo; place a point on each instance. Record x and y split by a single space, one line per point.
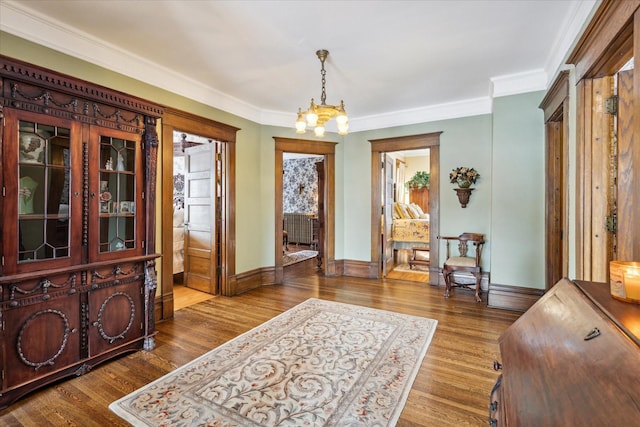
464 261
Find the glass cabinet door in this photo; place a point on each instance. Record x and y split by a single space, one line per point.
41 214
117 194
44 170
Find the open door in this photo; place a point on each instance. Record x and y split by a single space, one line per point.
200 199
387 254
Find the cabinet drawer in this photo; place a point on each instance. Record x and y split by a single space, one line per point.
39 289
116 274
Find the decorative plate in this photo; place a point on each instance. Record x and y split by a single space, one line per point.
105 196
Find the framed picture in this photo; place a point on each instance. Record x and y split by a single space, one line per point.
31 148
105 207
125 207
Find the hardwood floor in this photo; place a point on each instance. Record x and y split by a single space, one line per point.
186 297
452 387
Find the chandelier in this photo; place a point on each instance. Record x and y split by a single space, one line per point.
317 115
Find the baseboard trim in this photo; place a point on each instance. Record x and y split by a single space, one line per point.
252 279
514 298
363 269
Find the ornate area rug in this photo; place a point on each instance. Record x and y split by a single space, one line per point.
320 363
416 268
299 256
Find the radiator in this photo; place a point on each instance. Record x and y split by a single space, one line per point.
299 227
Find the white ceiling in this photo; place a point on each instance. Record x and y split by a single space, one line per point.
392 62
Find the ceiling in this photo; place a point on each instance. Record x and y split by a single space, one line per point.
392 62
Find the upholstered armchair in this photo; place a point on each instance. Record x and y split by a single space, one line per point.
467 259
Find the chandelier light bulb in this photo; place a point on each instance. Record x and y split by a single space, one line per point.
301 125
319 131
312 119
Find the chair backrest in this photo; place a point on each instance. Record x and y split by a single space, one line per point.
464 240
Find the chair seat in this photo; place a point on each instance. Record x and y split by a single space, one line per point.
460 261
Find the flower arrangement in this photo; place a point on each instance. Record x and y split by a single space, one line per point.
464 176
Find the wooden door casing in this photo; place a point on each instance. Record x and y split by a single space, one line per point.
556 106
410 142
387 215
327 149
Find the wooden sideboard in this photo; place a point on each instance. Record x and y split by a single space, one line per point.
572 359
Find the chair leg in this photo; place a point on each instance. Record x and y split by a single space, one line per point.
447 281
478 280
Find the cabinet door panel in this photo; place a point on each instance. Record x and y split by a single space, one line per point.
116 210
42 215
43 338
115 316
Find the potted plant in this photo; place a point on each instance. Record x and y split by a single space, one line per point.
419 180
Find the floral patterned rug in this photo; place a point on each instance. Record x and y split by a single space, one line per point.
296 257
320 363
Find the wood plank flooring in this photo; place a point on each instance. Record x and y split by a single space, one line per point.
452 387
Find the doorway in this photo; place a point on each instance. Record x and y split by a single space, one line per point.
379 148
406 186
326 201
223 157
303 196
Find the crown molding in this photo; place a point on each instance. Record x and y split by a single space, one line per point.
19 21
514 84
50 33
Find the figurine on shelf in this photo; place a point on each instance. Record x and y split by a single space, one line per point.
120 166
109 165
26 192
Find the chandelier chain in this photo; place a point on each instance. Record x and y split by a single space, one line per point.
323 97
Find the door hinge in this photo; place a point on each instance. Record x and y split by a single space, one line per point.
143 244
611 105
143 195
611 223
4 191
3 260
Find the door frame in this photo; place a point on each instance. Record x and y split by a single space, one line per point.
556 117
328 150
410 142
610 40
176 120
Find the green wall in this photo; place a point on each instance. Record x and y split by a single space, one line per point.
518 205
463 142
505 147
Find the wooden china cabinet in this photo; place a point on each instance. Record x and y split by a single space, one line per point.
77 226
